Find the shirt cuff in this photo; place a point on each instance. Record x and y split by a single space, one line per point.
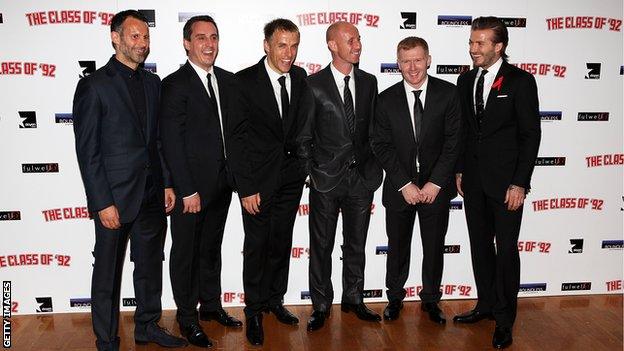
187 197
403 187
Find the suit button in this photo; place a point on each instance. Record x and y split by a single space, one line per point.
147 166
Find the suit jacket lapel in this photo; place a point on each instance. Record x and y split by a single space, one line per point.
360 100
334 94
404 116
295 90
265 90
223 93
472 75
151 116
494 92
121 88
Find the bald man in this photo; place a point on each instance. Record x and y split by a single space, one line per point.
343 172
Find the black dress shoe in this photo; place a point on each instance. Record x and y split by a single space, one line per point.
361 311
195 335
392 311
317 320
472 316
158 335
254 331
435 313
220 316
502 337
283 315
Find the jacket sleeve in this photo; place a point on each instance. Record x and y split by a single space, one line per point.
526 106
443 169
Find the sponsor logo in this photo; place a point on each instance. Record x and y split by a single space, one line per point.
534 246
409 20
454 20
10 215
128 302
451 249
576 286
150 15
81 302
593 116
551 115
68 17
390 68
584 22
605 160
149 66
511 22
63 118
614 285
305 295
532 287
613 244
371 294
622 70
566 203
185 16
27 68
550 161
33 259
88 67
40 168
44 304
543 69
456 205
28 119
576 246
57 214
323 18
452 69
593 71
298 252
381 250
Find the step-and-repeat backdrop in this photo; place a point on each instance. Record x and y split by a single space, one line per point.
571 238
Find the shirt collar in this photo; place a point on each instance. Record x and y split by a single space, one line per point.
123 69
338 76
273 76
423 87
493 70
202 73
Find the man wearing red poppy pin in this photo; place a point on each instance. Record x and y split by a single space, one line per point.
501 137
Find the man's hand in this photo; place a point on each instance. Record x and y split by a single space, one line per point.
429 192
411 194
110 217
192 204
169 199
251 203
514 198
458 181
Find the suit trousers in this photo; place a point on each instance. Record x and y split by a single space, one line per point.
433 220
195 264
267 246
147 235
496 266
354 200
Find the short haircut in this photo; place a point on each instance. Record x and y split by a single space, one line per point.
412 42
279 24
501 35
187 31
120 17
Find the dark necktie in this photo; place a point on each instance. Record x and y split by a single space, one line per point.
284 96
213 97
479 104
418 115
348 106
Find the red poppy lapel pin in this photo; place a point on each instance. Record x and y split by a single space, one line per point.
498 84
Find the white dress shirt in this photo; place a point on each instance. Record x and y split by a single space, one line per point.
339 79
488 80
277 88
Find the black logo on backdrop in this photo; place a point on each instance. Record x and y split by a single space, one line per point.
10 215
518 22
593 71
456 205
44 304
621 67
551 115
29 119
80 302
381 250
409 20
150 15
40 168
576 246
305 295
532 287
149 66
454 20
367 294
64 118
452 69
613 244
576 286
128 302
451 249
1 20
88 67
550 161
390 68
593 116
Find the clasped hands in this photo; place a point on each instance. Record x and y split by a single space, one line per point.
413 195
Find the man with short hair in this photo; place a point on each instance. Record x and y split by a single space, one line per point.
501 140
199 121
128 189
416 139
271 188
344 174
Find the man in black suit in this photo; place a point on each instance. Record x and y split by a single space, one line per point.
416 139
501 139
343 171
128 189
271 187
199 122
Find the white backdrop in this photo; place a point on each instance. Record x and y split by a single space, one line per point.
571 239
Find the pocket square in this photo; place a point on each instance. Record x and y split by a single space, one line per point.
501 96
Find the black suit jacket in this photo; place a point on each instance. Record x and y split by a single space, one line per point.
325 142
271 140
395 146
503 151
115 154
191 131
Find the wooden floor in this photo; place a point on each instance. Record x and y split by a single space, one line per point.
553 323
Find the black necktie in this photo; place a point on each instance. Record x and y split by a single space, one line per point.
284 96
479 104
213 97
348 106
418 115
